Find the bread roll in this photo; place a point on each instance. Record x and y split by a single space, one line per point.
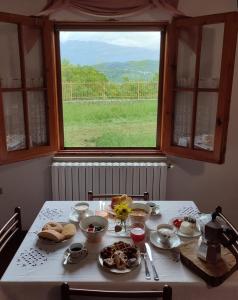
53 226
69 230
51 235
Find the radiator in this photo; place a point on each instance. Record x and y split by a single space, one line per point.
73 180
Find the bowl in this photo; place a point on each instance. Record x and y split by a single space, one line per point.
94 236
140 212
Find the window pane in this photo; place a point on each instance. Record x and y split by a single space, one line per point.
10 74
37 118
32 42
206 120
110 88
186 56
211 54
183 119
14 121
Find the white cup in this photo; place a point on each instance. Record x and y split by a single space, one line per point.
165 233
77 250
81 208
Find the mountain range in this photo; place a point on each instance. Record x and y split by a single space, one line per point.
94 53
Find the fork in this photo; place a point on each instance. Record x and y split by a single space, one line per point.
147 272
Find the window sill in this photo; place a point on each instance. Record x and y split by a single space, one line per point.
109 155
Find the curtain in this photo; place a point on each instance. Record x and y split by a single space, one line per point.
109 8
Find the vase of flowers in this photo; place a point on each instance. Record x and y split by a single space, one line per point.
122 211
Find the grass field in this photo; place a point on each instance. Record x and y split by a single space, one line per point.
112 124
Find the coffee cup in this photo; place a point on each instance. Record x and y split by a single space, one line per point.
81 208
153 207
77 250
165 233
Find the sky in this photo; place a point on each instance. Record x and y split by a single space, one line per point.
149 40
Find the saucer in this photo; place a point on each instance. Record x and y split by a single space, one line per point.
74 217
156 241
73 260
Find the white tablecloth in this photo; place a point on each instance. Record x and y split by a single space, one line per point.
36 271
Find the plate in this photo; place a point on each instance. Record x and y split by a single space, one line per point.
49 242
117 271
155 240
74 217
196 233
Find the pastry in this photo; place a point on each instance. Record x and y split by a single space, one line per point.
51 235
188 226
53 226
68 231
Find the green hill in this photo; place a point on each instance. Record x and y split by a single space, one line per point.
144 70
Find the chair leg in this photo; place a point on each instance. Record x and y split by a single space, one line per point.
167 291
65 291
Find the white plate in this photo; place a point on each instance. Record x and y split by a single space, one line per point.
196 233
116 271
155 240
74 217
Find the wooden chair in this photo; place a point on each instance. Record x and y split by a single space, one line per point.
11 236
92 196
67 291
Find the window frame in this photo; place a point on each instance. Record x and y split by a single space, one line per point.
48 88
109 26
224 90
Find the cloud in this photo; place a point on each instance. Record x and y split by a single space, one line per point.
142 39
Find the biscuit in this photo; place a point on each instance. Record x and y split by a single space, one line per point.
69 230
53 226
51 235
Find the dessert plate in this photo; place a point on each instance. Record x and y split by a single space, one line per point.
196 232
173 242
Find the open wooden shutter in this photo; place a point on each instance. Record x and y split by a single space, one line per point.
28 119
198 83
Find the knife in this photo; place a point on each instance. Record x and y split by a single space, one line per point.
148 250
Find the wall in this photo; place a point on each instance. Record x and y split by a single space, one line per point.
28 183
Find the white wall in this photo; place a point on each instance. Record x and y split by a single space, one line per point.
28 183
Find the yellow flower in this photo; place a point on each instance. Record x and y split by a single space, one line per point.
122 211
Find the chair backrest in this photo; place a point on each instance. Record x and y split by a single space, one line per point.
92 196
10 238
67 291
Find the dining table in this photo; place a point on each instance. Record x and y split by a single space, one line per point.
37 270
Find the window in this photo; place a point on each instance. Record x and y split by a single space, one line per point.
201 54
194 82
110 86
26 97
